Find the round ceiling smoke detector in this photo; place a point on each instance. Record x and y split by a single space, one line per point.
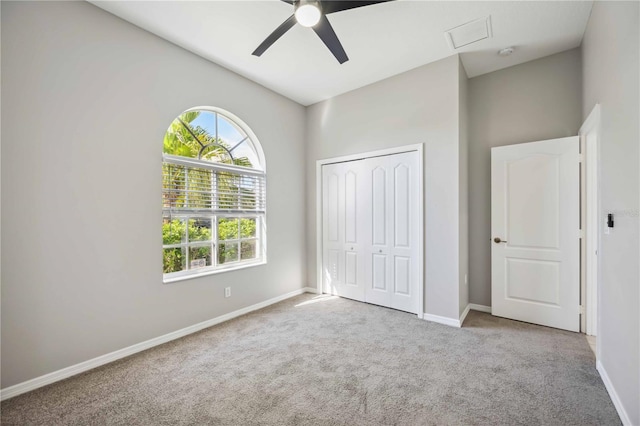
506 51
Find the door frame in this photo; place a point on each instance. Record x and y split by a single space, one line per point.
591 219
354 157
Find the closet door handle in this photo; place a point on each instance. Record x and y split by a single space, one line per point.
497 240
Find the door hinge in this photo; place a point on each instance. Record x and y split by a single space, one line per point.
580 158
580 233
581 309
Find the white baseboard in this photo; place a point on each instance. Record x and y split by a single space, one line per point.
464 315
67 372
624 417
442 320
310 290
481 308
457 322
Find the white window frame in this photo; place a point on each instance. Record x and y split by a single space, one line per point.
259 216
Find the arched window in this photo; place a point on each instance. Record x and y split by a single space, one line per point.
213 195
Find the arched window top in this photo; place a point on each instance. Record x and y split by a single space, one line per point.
213 135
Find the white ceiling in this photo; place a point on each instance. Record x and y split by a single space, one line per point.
381 40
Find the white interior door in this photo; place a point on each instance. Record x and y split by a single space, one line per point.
391 269
535 230
343 234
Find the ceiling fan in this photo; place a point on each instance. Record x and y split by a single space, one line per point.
313 13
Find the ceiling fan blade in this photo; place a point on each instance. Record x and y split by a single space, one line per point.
331 6
330 39
275 35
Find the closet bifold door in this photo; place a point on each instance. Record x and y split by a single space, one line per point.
342 232
391 249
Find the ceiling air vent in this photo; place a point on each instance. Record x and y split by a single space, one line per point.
468 33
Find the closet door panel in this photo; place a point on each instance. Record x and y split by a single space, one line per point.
393 222
343 262
331 257
405 220
354 177
378 279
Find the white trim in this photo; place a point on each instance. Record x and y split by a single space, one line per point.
319 279
591 208
624 417
64 373
480 308
593 120
361 156
464 315
442 320
185 275
421 217
370 154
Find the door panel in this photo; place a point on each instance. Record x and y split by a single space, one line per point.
394 215
533 280
402 280
379 211
535 214
350 207
401 205
533 193
343 259
379 268
351 268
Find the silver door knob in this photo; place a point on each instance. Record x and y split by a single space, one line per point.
497 240
379 251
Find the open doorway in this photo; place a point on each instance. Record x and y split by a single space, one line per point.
591 222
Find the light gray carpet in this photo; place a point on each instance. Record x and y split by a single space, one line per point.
337 362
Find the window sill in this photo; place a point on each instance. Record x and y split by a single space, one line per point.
171 280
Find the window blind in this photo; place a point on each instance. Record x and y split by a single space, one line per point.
191 186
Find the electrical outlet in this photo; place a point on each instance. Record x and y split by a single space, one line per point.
227 292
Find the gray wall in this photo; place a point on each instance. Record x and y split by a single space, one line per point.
419 106
610 52
86 99
463 178
533 101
